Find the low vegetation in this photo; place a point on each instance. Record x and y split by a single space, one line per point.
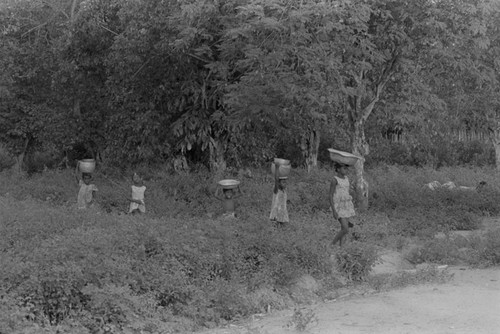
182 267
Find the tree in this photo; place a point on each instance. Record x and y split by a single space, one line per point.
306 62
232 81
466 75
165 97
481 85
283 68
389 47
29 55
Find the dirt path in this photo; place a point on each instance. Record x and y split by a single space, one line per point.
469 303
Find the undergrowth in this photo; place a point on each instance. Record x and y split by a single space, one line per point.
476 250
181 266
403 279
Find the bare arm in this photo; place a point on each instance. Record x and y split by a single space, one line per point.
239 193
352 188
217 194
276 178
333 186
77 172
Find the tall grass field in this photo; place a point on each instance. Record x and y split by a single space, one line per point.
181 267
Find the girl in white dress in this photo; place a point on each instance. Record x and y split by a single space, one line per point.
137 204
279 212
341 202
87 192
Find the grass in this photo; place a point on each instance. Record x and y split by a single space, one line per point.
478 249
403 279
180 267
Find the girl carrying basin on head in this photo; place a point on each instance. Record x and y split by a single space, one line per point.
87 191
341 202
279 212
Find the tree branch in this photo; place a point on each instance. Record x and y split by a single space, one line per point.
140 68
388 70
369 108
34 28
55 9
199 58
72 12
349 106
107 29
384 78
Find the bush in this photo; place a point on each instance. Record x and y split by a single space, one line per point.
490 252
477 250
180 267
355 260
475 153
439 152
440 251
427 275
63 262
415 210
6 159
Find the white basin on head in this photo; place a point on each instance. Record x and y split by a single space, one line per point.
283 170
280 161
343 157
86 165
229 183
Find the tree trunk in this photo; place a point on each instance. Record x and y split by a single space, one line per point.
18 166
358 115
495 140
73 11
496 145
217 159
310 149
360 147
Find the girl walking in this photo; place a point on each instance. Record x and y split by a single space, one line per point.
279 212
341 202
137 204
87 192
228 198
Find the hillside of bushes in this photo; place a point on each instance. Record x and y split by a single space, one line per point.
181 267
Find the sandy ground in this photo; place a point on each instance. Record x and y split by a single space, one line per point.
469 303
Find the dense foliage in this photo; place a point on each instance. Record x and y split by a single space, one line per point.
181 266
236 82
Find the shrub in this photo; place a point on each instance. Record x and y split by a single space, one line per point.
355 260
438 151
490 252
474 250
442 251
6 159
475 153
176 269
414 210
430 274
208 270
